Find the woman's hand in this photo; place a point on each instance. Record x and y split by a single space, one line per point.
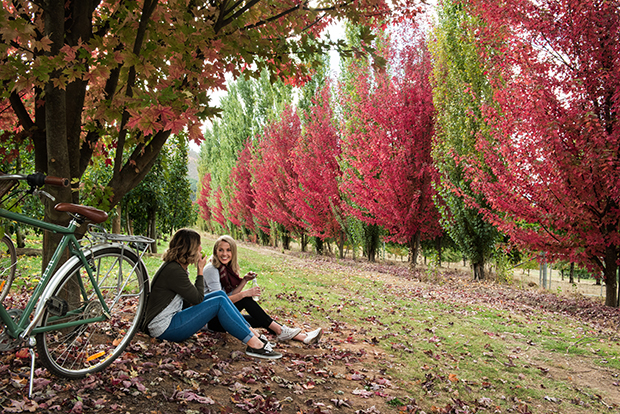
249 276
201 263
255 291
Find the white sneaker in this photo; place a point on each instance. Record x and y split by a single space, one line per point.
288 333
264 340
313 337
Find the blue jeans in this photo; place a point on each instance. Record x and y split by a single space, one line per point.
190 320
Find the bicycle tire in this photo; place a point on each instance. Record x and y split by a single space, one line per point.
88 348
8 263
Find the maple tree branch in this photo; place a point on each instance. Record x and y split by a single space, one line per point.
272 18
549 232
598 262
106 27
138 165
220 18
21 111
239 12
147 11
547 46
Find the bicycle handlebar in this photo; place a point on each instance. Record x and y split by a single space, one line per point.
57 181
38 179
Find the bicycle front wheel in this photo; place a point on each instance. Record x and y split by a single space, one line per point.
75 351
8 262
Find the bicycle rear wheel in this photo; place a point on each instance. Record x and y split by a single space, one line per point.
87 348
8 262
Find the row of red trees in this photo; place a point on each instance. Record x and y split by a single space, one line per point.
310 172
522 146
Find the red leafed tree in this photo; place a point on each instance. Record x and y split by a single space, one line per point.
274 176
218 209
241 204
553 149
387 145
203 200
316 200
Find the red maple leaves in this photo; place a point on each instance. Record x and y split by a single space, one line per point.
387 145
374 164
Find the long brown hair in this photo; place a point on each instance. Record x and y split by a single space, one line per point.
183 247
234 264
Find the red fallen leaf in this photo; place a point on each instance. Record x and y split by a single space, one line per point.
78 408
453 378
22 353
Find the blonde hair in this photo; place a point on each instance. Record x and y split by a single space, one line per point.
183 247
234 264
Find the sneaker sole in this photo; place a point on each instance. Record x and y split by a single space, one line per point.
264 356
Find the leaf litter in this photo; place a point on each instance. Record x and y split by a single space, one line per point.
348 372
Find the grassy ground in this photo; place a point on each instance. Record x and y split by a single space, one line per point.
451 346
455 340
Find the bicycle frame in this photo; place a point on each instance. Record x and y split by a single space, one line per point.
25 328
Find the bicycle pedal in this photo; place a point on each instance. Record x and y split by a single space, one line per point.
57 306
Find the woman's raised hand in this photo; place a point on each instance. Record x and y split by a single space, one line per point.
201 262
249 276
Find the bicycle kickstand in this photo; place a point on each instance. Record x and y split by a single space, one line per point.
32 357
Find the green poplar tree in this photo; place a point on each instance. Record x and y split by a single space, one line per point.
246 108
179 211
460 88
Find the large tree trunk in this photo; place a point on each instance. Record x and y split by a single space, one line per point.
304 242
371 239
610 275
58 163
286 240
116 221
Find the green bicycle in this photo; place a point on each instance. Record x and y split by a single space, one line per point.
83 313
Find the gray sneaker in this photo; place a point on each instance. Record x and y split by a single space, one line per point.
266 352
288 333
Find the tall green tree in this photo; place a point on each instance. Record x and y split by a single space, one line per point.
162 203
178 211
460 88
247 107
143 203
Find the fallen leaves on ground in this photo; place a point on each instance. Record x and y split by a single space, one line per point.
345 373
